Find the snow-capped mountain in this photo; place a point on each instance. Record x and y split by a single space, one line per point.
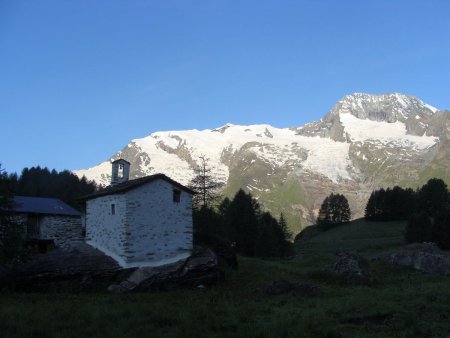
364 142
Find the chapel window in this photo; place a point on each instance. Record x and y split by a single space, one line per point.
176 196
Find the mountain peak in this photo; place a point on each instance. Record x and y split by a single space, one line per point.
414 114
390 107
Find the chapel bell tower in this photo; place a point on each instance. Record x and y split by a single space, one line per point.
120 171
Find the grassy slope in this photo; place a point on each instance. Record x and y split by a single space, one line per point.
282 198
415 304
357 235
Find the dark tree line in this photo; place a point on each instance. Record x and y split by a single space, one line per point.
42 182
393 204
241 221
427 211
11 234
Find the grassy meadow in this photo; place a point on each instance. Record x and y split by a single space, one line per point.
400 303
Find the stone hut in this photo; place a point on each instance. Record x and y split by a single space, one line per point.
48 220
141 222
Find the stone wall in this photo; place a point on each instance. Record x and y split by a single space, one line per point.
22 220
104 230
62 229
148 228
159 229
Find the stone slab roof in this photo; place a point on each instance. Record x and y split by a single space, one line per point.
132 184
42 205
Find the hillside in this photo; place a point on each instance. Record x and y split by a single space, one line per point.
358 235
401 302
363 143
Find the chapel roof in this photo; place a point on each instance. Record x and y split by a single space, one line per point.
119 160
132 184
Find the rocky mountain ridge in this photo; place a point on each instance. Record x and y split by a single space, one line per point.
363 143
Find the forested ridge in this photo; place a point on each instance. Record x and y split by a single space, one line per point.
42 182
427 211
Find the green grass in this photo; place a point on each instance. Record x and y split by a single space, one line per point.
402 302
359 235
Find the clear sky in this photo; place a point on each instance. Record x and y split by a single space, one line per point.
80 78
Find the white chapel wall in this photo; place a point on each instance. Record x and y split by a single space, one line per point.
160 230
104 230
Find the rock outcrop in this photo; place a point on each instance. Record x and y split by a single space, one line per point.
350 265
425 257
199 270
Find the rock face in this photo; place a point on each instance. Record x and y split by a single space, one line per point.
426 257
363 143
350 265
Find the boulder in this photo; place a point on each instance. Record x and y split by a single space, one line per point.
224 250
430 248
349 265
425 257
199 270
432 264
403 258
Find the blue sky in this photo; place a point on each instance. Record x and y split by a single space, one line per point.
80 79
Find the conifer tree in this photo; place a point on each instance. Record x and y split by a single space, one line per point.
391 204
40 182
269 237
334 210
11 231
433 196
369 212
242 222
205 184
284 227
